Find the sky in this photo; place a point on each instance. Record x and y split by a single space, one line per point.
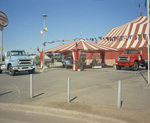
66 20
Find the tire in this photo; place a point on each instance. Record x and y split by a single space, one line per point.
31 71
11 71
146 66
118 67
66 66
0 69
135 66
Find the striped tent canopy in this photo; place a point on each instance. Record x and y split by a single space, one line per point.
82 45
130 35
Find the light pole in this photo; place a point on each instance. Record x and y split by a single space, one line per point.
148 37
1 28
43 32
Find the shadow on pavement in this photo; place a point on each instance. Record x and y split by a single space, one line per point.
38 95
5 93
143 77
73 99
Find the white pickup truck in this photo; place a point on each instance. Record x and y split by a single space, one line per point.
16 61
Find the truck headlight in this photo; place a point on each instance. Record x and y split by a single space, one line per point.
31 61
139 58
118 58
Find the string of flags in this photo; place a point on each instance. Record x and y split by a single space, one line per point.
54 41
122 38
114 38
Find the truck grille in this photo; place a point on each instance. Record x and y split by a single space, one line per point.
123 58
25 62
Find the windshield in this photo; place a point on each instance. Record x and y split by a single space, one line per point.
130 52
18 53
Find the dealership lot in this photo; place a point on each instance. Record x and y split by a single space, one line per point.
91 90
15 89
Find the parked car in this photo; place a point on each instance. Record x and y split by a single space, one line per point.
67 61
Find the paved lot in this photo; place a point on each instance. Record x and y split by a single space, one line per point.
15 89
92 91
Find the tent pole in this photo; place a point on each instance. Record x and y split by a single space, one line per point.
148 36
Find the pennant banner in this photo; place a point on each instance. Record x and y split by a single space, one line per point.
88 39
114 38
123 38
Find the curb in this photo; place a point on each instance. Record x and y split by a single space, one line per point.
59 112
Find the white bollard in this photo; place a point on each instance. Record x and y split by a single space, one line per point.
119 95
31 85
68 97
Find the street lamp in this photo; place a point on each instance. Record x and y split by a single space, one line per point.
1 28
43 32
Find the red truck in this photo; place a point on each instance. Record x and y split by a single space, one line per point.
130 58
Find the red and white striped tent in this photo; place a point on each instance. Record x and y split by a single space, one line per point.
77 47
82 45
129 35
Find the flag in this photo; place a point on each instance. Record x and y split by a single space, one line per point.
44 44
100 38
38 49
139 5
76 45
107 38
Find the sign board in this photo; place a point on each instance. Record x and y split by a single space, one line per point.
3 19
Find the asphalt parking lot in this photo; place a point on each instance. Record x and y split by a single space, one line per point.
91 90
15 89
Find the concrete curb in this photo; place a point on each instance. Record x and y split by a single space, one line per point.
59 112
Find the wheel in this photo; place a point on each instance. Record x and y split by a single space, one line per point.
11 71
66 66
146 66
118 67
31 71
135 66
0 69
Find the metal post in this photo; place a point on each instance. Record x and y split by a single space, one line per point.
119 95
1 28
68 98
31 85
148 36
44 44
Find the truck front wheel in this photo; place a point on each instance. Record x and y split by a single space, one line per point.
31 71
118 67
11 71
0 71
66 66
135 66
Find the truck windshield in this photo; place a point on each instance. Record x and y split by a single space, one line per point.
18 53
129 52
